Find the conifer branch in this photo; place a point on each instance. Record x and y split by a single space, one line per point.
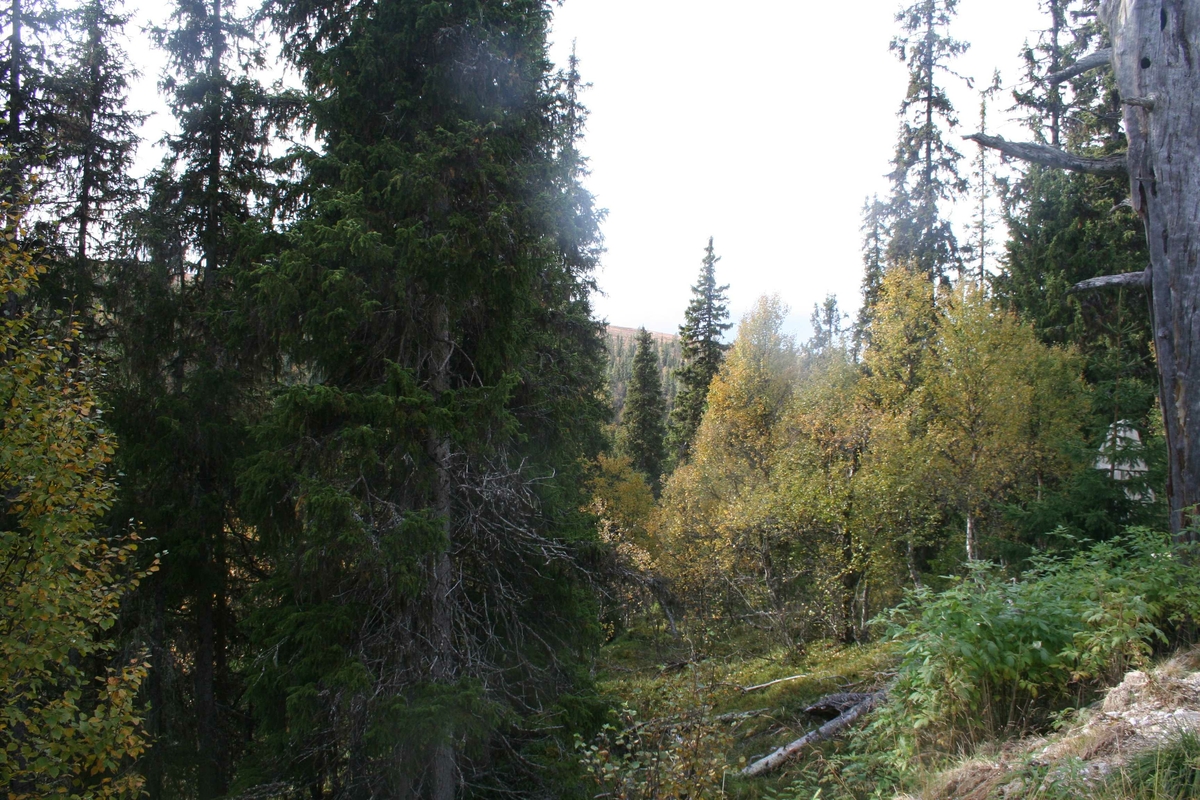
1111 166
1138 279
1099 58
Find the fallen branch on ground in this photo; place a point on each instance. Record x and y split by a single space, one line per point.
758 686
826 731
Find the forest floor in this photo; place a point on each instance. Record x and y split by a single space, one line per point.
708 708
745 694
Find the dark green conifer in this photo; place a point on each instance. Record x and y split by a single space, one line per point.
95 138
705 322
925 167
642 429
874 247
416 489
1068 227
185 387
28 69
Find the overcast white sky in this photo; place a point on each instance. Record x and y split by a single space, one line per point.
762 123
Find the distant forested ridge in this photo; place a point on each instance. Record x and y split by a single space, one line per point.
621 343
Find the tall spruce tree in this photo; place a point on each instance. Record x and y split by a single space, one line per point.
705 322
980 249
642 430
874 249
925 167
183 389
27 75
92 186
416 487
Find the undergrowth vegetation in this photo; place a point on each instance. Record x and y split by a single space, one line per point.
992 657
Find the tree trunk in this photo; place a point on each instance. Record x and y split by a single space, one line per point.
208 776
14 80
972 545
443 765
1155 56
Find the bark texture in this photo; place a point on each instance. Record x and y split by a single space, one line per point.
1155 57
1049 156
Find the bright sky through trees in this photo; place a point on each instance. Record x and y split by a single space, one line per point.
763 124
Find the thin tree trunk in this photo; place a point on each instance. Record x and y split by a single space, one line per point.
212 218
207 778
152 764
1157 62
444 765
972 546
14 79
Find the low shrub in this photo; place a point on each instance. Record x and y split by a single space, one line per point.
995 654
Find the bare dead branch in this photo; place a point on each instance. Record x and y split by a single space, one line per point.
758 686
1113 166
1139 279
1141 102
826 731
1099 58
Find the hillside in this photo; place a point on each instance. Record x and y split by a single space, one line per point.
621 347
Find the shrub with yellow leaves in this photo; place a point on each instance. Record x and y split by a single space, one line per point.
63 731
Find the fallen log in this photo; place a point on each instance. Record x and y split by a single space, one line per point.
826 731
834 705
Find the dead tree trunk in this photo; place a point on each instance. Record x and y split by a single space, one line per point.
1155 56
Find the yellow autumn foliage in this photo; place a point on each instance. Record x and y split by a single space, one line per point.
63 731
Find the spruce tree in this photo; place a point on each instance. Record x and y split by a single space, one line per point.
705 322
185 384
925 167
642 431
416 485
27 75
874 248
92 186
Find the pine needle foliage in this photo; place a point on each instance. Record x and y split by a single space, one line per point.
705 321
418 485
925 168
642 429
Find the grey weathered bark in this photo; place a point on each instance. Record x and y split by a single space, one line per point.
826 731
1100 58
1155 53
1049 156
1137 279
